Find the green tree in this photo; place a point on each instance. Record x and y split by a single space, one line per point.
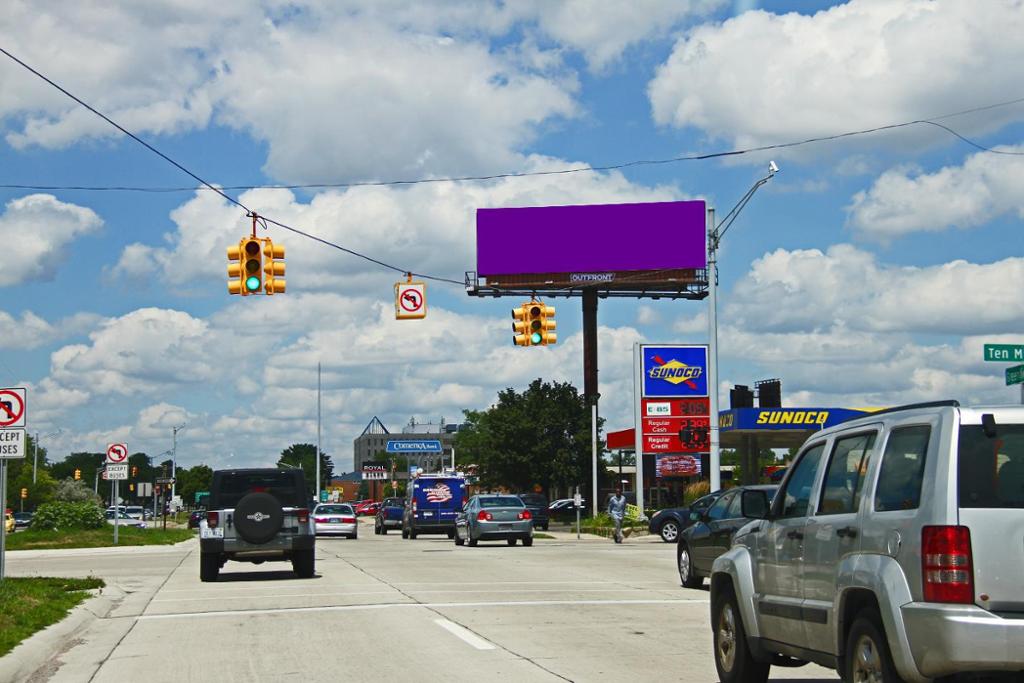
192 481
71 491
304 455
19 476
538 437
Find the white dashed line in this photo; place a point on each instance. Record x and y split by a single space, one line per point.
464 634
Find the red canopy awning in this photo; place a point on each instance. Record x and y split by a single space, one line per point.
624 438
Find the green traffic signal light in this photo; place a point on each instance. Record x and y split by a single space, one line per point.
252 284
535 338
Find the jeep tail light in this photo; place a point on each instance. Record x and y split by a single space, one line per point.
946 565
484 516
303 515
525 514
212 518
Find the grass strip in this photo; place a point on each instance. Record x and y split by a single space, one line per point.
542 535
30 604
94 538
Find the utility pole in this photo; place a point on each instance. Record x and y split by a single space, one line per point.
318 489
174 457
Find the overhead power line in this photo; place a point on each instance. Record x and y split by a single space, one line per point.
222 190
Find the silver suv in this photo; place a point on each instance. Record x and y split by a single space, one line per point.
893 551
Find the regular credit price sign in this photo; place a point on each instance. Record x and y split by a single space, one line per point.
663 419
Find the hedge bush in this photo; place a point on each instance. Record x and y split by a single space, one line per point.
60 515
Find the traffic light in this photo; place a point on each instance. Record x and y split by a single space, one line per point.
520 338
135 470
273 266
24 493
131 487
533 324
246 276
78 474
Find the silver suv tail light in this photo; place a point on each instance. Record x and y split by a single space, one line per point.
946 564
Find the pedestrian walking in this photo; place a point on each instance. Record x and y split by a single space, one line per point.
617 511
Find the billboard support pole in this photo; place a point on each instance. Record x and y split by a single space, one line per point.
591 394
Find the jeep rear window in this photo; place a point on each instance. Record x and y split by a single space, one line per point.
235 485
991 470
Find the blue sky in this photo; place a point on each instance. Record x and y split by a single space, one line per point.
869 271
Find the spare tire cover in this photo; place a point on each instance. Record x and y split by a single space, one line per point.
258 517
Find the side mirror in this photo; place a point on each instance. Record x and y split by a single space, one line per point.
755 504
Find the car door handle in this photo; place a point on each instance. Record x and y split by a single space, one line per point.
795 535
847 532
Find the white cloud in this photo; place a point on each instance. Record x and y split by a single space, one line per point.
35 232
762 78
427 228
904 201
31 331
807 290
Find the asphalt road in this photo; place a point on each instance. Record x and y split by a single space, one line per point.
383 607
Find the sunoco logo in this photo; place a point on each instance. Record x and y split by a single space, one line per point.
676 372
257 516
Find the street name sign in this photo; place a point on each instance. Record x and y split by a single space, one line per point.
1004 352
165 480
1015 375
12 444
117 471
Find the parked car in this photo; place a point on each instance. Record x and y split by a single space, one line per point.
563 510
135 511
389 515
892 552
434 501
670 522
362 507
335 518
196 517
371 509
494 517
537 504
22 520
710 533
124 520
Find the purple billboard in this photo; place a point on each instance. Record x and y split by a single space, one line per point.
591 240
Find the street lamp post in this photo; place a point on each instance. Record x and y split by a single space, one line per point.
174 457
35 451
715 234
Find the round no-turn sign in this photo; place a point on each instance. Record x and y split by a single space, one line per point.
410 300
12 408
117 453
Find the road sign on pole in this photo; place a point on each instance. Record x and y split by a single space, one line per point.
12 408
1015 375
1005 353
12 444
410 300
117 471
117 453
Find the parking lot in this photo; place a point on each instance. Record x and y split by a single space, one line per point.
381 606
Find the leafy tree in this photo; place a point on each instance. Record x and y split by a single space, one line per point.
304 455
540 436
19 476
192 481
71 491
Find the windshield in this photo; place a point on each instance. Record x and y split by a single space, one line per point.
281 484
334 510
991 470
501 502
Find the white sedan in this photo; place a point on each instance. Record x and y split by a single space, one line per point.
124 520
335 518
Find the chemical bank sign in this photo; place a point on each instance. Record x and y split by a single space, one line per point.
676 370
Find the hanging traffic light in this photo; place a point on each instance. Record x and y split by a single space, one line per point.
24 493
78 474
520 338
252 266
273 266
235 269
135 471
540 320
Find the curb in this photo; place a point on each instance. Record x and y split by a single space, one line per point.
46 646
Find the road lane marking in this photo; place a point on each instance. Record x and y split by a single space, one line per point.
418 605
464 634
283 595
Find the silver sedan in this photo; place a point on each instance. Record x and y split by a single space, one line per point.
494 517
335 518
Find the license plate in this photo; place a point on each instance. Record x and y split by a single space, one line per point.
334 520
215 532
428 514
504 527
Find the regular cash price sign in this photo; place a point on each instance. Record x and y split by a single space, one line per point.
674 399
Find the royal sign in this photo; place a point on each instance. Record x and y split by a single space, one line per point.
675 371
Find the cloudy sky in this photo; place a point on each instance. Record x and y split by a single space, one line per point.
870 271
